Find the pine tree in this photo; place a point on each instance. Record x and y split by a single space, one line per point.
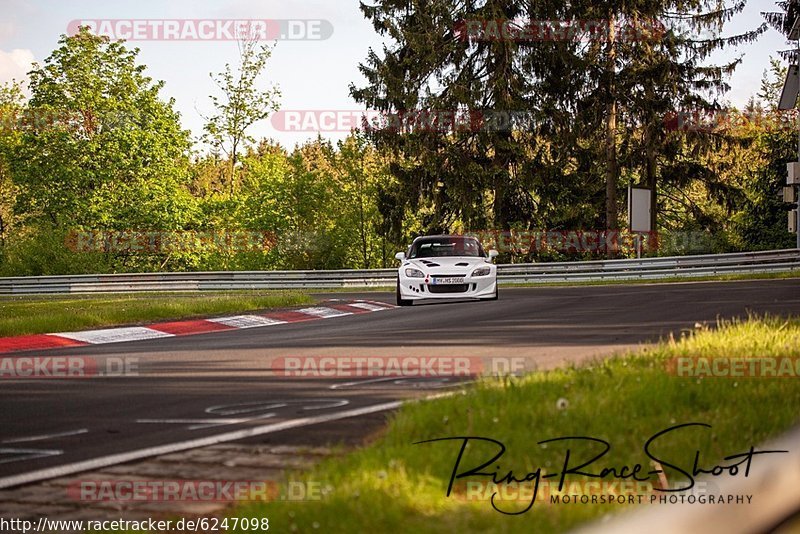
433 66
596 100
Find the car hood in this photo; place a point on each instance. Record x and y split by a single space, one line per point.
448 265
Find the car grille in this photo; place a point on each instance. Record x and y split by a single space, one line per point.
450 288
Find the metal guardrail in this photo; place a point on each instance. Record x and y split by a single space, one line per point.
629 269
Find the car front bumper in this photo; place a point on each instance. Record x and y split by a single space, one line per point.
472 288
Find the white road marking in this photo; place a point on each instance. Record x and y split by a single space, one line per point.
367 306
246 321
338 403
431 382
113 459
138 333
190 421
384 305
359 382
325 313
114 335
199 424
27 454
44 437
246 408
250 407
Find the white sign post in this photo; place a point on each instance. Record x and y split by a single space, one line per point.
639 209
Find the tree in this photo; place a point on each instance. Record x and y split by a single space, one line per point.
242 103
597 102
360 171
431 67
760 221
11 111
772 84
672 74
650 61
100 150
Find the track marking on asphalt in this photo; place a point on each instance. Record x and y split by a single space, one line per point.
44 437
246 321
434 382
358 382
367 306
259 406
113 459
114 335
247 408
324 312
187 327
199 424
19 455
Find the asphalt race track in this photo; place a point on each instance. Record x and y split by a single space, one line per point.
189 391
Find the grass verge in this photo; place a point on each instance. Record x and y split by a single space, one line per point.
41 315
394 485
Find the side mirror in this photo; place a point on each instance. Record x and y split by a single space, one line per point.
400 256
493 254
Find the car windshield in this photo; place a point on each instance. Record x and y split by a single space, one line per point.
434 247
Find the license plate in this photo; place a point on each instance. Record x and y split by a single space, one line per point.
447 280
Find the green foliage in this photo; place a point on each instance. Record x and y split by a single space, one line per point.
21 315
595 108
243 103
11 106
110 154
772 83
475 176
321 202
761 221
41 249
761 142
97 149
396 478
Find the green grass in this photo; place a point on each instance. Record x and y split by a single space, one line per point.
396 486
40 315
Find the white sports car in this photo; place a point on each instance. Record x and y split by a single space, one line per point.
446 267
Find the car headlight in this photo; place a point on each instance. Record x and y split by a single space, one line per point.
414 273
481 271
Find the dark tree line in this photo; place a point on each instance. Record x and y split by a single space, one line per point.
597 104
492 122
